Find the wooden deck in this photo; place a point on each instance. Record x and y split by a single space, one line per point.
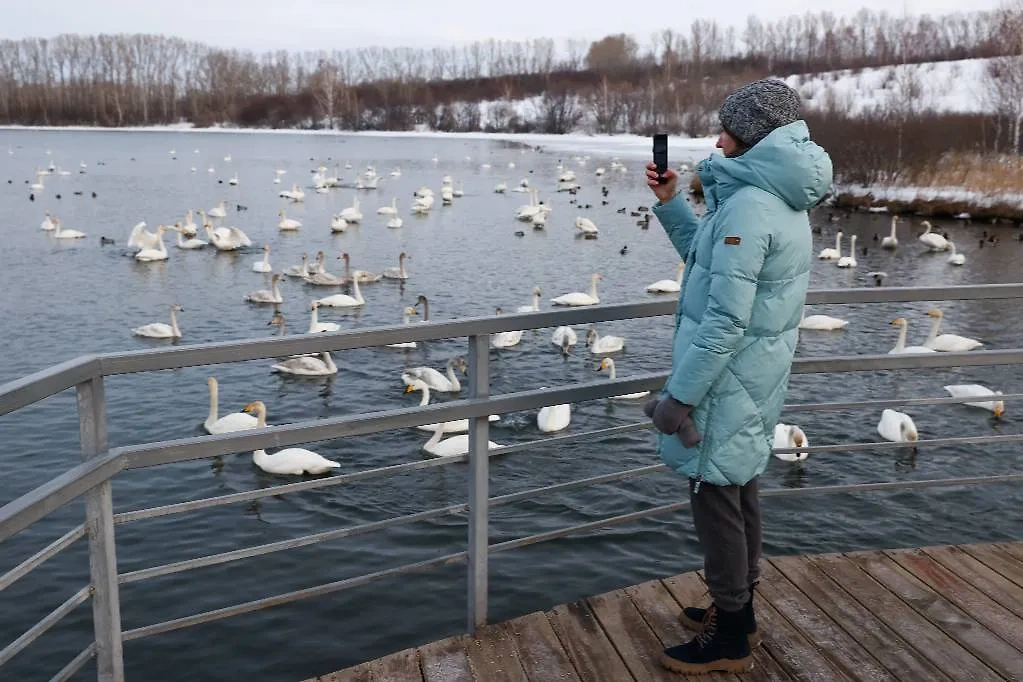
935 613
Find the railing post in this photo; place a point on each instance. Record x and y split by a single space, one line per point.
479 482
99 524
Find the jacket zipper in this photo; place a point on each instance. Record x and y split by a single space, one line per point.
704 453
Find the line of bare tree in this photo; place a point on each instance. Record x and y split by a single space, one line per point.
669 82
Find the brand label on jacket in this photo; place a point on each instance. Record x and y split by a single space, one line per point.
733 241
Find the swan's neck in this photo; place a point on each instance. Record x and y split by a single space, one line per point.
952 247
425 400
329 361
593 288
933 333
838 242
314 318
261 420
214 403
437 433
266 258
426 310
452 378
611 371
901 342
355 289
181 239
174 323
348 268
536 302
274 289
927 230
893 228
852 247
401 266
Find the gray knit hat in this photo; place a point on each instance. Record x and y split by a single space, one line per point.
757 108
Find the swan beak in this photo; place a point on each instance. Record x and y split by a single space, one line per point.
249 408
798 440
409 389
999 410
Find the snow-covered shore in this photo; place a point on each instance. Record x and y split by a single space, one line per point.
631 145
936 201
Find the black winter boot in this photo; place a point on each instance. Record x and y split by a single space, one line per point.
721 646
692 618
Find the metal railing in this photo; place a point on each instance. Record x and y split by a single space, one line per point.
91 479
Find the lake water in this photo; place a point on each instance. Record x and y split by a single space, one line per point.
66 299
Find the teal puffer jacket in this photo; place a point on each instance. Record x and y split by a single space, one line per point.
747 270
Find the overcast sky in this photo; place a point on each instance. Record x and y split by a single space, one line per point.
336 24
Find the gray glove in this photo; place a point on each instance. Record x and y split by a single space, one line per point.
672 417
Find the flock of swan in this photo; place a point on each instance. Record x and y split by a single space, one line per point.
449 438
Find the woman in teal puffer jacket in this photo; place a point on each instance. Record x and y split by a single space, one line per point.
747 271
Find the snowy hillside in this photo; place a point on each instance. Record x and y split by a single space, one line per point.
947 87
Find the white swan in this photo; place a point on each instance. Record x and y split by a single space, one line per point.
398 272
978 391
790 436
299 270
955 258
900 345
389 210
891 242
344 300
190 243
934 242
553 418
47 224
449 447
821 322
227 238
578 298
603 344
405 318
527 211
59 233
609 365
949 343
307 366
273 295
364 276
289 461
236 421
850 260
218 211
453 426
352 214
505 339
315 326
338 224
188 227
141 238
395 222
162 330
158 253
534 307
669 286
444 383
286 223
897 427
263 265
586 226
564 336
832 254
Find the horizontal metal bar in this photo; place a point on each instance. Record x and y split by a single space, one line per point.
184 449
904 402
509 498
37 386
889 445
968 292
36 560
871 363
293 543
571 438
256 349
274 491
76 664
773 492
48 621
288 597
22 512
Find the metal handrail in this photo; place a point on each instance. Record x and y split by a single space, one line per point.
92 477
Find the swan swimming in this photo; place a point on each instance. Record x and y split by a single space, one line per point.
289 461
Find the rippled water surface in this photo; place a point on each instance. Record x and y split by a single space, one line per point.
62 300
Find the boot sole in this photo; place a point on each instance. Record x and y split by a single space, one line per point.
755 639
725 665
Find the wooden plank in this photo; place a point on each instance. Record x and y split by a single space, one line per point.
843 651
976 573
1013 549
588 647
985 645
929 640
492 656
954 589
402 666
357 673
540 652
891 651
631 636
660 611
446 661
996 560
687 590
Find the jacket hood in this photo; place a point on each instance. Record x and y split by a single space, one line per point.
786 163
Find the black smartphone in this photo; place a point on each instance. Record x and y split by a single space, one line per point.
661 156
